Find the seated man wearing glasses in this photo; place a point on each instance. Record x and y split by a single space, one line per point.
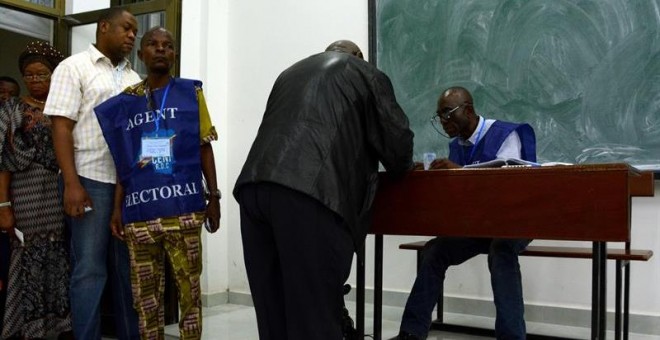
475 139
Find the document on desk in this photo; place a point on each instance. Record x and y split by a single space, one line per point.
503 162
512 163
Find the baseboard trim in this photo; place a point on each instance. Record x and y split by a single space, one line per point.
558 315
215 299
563 316
236 298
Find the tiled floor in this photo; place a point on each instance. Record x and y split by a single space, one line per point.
237 322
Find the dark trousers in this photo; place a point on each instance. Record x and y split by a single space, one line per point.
443 252
298 254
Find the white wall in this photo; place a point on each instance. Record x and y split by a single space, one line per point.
239 47
204 56
265 37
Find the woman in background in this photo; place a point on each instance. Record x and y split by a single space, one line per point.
31 213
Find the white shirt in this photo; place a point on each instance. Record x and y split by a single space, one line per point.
79 83
511 147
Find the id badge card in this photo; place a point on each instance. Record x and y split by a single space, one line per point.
156 147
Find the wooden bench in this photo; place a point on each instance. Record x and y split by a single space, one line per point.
623 257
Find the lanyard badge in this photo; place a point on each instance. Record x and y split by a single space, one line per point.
156 146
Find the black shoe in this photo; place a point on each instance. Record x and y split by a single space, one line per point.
407 336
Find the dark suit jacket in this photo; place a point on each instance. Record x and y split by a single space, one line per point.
329 120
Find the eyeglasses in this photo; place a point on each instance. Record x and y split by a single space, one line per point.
37 77
437 125
447 112
444 114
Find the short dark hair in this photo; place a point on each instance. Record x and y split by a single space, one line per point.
108 15
111 13
9 79
345 46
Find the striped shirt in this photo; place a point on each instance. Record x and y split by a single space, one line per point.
77 85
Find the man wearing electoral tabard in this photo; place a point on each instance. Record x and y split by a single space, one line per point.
475 140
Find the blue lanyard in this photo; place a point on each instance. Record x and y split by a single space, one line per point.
162 105
476 141
149 96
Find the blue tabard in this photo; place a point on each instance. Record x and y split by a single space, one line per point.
491 142
167 182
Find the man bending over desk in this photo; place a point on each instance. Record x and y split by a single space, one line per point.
475 140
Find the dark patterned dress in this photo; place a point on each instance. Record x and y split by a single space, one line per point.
37 303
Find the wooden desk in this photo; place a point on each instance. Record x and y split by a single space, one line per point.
577 203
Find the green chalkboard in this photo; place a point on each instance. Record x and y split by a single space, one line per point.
584 73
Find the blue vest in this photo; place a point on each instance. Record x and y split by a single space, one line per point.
491 142
156 185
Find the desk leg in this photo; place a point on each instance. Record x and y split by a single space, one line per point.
359 292
598 290
378 288
618 279
626 300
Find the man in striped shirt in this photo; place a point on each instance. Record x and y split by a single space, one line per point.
88 176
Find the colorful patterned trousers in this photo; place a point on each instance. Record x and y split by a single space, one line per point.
148 242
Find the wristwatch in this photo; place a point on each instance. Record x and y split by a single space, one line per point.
214 194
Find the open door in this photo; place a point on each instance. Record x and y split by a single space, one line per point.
17 29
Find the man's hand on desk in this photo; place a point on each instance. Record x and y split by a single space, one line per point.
438 163
444 163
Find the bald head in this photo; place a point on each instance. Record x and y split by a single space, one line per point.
456 94
146 38
345 46
457 114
